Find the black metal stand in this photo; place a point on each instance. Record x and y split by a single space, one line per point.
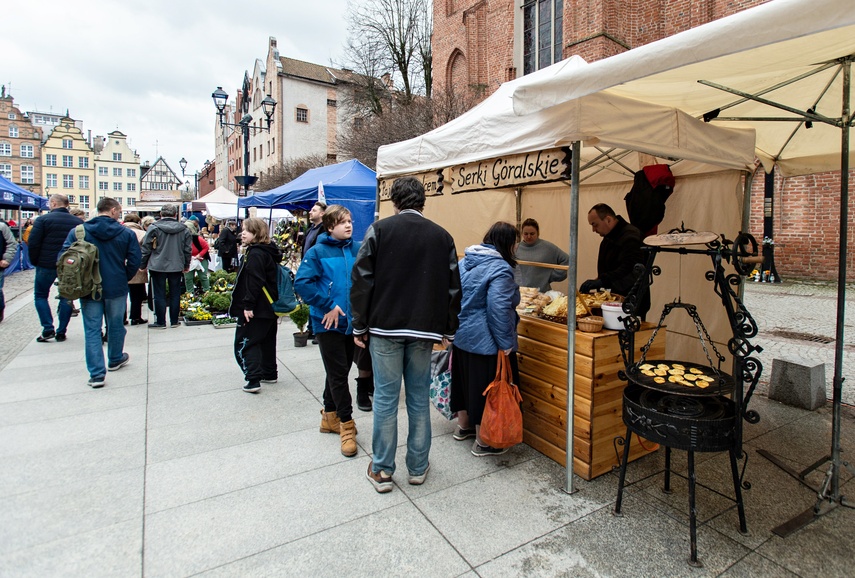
695 421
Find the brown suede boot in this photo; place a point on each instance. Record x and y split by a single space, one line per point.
348 438
329 422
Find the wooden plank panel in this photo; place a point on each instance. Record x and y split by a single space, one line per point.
543 331
542 352
556 376
532 385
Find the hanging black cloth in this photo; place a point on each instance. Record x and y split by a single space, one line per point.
645 202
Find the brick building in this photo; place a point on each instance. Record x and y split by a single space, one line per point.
479 44
20 146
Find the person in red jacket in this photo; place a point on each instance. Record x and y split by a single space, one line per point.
199 258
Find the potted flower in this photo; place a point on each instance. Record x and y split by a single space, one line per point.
300 317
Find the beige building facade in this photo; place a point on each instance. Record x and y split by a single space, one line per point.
117 169
68 163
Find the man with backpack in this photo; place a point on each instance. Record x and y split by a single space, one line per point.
166 254
48 234
118 258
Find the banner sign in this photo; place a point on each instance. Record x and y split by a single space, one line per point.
523 169
430 180
512 171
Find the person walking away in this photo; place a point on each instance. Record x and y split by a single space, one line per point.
620 251
136 286
46 239
8 248
118 262
255 334
405 296
538 250
227 246
26 230
166 255
488 328
199 252
323 281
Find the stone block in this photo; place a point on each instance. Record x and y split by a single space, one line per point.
798 382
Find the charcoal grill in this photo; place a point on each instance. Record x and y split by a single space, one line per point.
676 413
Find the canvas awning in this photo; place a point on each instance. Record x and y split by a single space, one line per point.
602 122
785 51
220 195
13 196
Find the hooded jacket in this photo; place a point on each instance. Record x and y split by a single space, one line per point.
620 251
166 247
323 281
257 270
488 317
48 234
118 253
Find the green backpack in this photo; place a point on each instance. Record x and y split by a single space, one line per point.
77 271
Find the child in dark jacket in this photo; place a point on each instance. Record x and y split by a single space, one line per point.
323 281
255 335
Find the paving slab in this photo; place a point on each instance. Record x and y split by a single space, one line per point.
107 552
367 546
209 533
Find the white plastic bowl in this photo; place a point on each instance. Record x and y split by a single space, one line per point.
611 312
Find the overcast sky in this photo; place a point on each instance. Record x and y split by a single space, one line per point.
148 68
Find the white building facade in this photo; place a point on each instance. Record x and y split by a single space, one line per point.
117 171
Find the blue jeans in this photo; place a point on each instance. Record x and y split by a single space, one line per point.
394 359
94 313
41 292
158 289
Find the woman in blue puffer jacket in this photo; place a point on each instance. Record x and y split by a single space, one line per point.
488 325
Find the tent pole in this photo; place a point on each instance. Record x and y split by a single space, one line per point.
837 382
571 319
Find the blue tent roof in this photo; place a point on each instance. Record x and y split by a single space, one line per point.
350 184
13 196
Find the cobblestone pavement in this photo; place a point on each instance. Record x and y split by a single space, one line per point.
804 310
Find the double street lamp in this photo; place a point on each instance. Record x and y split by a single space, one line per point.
183 164
268 105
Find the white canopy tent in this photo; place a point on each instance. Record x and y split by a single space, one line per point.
612 136
224 211
221 196
783 69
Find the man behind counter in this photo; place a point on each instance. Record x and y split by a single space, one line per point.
533 248
620 251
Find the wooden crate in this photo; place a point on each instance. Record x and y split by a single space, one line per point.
598 402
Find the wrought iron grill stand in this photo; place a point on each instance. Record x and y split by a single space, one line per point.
693 419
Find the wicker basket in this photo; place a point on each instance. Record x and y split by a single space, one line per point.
592 324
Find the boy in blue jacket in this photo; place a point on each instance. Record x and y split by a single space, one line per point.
323 281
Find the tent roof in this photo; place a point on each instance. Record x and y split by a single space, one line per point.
778 50
346 180
15 196
602 121
219 195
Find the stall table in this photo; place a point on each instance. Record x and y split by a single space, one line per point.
598 400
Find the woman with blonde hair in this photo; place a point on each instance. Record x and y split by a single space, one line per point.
255 335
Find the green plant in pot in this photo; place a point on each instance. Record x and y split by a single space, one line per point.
300 317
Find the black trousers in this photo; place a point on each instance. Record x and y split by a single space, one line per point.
138 293
255 348
471 373
162 303
337 355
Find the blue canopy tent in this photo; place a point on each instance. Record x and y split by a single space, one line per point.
350 184
14 197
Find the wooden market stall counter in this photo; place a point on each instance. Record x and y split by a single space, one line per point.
598 400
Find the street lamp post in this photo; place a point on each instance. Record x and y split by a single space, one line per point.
268 105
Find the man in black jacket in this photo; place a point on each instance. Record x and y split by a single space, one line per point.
46 239
226 246
405 295
620 252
